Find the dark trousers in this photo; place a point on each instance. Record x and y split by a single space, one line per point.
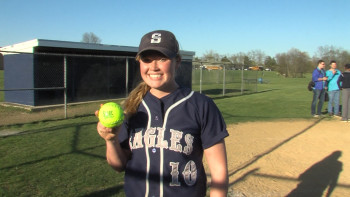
345 103
319 96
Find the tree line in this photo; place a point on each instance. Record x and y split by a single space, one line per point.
294 63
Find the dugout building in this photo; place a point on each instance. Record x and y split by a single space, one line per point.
36 72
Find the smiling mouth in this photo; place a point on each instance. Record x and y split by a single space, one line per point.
155 76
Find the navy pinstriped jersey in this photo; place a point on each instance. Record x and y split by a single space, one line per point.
167 137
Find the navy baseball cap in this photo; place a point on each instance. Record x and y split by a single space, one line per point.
160 40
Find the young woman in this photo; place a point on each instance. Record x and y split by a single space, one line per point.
168 129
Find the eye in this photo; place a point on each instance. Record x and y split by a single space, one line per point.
162 59
146 60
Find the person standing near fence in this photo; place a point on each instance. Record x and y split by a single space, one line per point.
344 84
319 91
168 130
333 89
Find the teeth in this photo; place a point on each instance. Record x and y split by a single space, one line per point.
154 76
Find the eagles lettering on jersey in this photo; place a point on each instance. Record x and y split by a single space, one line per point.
167 137
154 137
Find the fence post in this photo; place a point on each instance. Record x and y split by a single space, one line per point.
242 80
127 77
224 81
200 79
65 85
256 79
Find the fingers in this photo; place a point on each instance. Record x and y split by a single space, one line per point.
104 129
96 112
105 133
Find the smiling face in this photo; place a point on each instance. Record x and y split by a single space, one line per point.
321 65
158 71
334 65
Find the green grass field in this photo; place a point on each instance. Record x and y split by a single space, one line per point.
67 157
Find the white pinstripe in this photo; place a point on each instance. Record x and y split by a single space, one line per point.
161 149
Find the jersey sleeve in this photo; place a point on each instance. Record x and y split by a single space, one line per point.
123 136
213 127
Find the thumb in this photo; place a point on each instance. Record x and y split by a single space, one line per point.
96 112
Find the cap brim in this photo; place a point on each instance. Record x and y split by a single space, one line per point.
162 50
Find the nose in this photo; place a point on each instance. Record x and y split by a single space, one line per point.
153 65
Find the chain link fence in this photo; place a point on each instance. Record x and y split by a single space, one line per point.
219 81
37 87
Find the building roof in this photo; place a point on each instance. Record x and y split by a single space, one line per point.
29 46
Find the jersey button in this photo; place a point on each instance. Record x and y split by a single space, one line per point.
156 118
154 150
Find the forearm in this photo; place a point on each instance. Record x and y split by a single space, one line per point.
217 163
116 156
219 185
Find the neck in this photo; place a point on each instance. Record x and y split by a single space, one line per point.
160 93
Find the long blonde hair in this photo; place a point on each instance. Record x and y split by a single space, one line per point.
134 99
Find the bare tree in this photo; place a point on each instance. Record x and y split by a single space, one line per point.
257 56
211 56
90 38
238 59
294 63
329 53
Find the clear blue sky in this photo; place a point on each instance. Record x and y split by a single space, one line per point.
224 26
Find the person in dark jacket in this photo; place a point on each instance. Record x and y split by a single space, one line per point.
320 79
344 84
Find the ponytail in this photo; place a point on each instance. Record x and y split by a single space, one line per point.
135 98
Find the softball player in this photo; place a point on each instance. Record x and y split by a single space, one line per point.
167 131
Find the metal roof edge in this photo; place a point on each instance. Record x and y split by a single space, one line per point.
82 45
26 46
29 45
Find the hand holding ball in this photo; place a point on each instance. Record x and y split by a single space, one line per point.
111 115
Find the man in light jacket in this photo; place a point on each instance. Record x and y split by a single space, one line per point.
333 89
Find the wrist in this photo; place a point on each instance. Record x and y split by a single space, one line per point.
111 140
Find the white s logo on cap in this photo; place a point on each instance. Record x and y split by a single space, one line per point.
156 38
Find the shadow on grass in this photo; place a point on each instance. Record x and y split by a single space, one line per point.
45 120
74 149
219 91
106 192
48 129
239 95
77 130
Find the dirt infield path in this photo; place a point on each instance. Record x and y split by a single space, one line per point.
296 158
